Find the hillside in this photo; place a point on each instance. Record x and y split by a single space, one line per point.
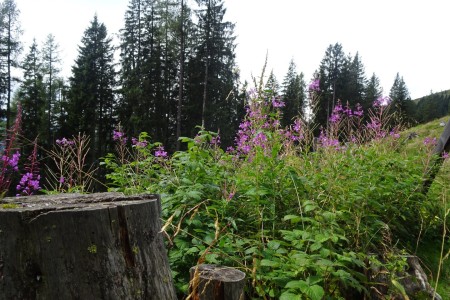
428 250
431 107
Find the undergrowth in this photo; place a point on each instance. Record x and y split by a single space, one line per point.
304 218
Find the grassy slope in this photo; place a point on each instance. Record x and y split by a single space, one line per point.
430 250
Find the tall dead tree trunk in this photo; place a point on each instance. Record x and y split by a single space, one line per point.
69 246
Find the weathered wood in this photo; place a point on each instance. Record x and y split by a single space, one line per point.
442 145
413 280
69 246
214 282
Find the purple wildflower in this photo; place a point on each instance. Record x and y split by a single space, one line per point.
29 183
230 196
359 110
277 103
429 141
445 155
14 161
138 144
297 125
119 136
260 139
160 152
64 142
314 86
215 140
381 101
335 118
394 134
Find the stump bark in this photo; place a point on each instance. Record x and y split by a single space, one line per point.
214 282
71 246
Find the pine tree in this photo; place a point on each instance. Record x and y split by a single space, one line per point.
332 68
372 92
131 60
293 94
51 63
10 48
399 95
212 73
272 84
31 93
354 83
92 84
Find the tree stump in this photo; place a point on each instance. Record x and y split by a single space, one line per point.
214 282
72 246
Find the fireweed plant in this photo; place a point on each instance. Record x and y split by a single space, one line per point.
9 163
304 217
69 171
29 183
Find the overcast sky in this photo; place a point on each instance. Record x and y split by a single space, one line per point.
408 37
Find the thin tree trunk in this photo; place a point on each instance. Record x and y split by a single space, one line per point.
8 104
207 42
181 78
205 91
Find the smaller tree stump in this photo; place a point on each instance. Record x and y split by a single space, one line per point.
215 282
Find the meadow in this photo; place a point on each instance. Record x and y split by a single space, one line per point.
327 217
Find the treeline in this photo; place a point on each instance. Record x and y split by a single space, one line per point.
176 71
431 107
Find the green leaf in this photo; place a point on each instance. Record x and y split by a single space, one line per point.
400 288
290 296
315 292
316 246
293 218
297 284
268 263
274 245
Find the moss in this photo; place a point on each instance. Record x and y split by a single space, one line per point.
92 249
10 205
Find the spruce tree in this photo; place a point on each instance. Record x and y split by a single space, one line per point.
51 64
272 84
332 68
212 73
31 93
372 92
399 95
293 95
354 82
131 61
10 48
92 87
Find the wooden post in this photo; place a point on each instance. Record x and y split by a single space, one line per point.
72 246
443 144
214 282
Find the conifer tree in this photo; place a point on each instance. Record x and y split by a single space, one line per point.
212 73
10 48
31 93
372 92
150 64
92 88
272 84
51 64
131 61
332 68
399 95
354 82
293 95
